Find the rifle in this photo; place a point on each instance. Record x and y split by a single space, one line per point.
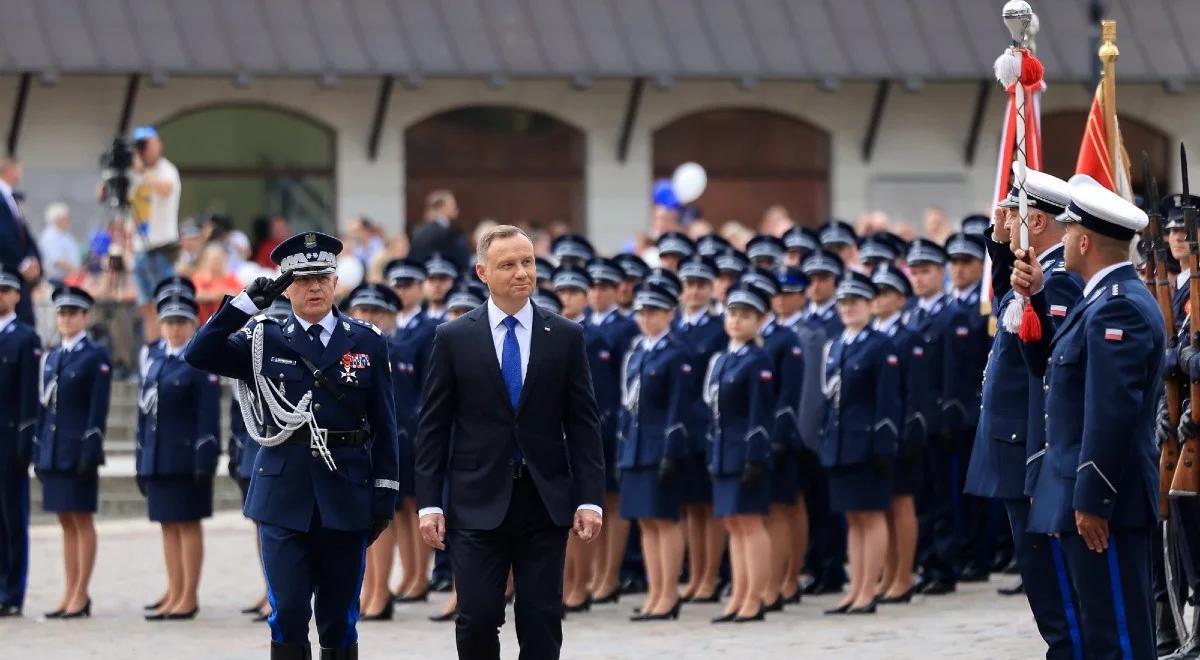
1186 481
1160 285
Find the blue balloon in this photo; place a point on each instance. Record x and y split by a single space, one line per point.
664 195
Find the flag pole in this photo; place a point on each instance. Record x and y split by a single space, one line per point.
1108 78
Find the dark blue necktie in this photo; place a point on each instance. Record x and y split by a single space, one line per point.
510 370
314 333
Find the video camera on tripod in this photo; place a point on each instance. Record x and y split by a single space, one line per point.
116 163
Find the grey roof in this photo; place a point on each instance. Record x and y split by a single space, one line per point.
730 39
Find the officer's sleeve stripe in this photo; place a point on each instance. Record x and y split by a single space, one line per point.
26 424
1097 469
1036 455
93 431
390 484
888 424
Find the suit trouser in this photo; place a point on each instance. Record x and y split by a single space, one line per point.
826 559
941 523
323 563
1185 516
1047 585
14 535
529 543
1113 590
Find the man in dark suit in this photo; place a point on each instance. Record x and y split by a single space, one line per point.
508 454
18 249
437 235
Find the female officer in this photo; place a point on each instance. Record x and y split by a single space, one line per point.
376 304
738 389
862 382
75 379
894 292
177 453
656 379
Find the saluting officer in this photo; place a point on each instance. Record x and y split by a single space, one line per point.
410 345
1010 437
655 384
74 395
326 479
20 353
1097 483
179 419
703 332
738 389
893 291
938 542
787 362
862 430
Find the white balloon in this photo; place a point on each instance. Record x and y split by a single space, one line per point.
689 182
350 272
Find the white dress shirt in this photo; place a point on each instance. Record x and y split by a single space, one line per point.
1095 280
7 320
327 325
6 193
70 343
524 331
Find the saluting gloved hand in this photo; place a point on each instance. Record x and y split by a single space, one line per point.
378 525
883 465
666 470
753 473
263 290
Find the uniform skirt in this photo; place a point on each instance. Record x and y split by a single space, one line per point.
642 496
731 498
697 483
785 481
908 476
859 487
67 492
177 499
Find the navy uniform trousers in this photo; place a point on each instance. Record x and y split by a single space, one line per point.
1047 585
14 533
1116 586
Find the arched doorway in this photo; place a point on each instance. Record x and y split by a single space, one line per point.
754 159
250 160
502 163
1062 132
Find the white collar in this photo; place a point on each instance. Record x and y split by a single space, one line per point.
402 319
1181 279
1050 255
793 319
5 189
694 319
1095 280
579 319
767 321
850 336
883 325
328 323
820 308
650 343
963 294
928 304
7 320
736 347
496 315
177 351
600 317
70 343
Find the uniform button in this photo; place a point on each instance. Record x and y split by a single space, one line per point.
315 454
260 470
316 406
1107 501
1047 445
53 427
1014 436
281 375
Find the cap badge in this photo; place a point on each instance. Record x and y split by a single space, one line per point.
310 241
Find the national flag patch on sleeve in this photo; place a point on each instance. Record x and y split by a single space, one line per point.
892 360
604 355
765 375
919 351
104 368
37 352
213 378
962 331
797 351
1058 310
1114 334
687 368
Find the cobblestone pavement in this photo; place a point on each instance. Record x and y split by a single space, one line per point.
974 623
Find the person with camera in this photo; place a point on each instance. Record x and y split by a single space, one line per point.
154 202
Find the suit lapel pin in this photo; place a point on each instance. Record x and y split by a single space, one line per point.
546 328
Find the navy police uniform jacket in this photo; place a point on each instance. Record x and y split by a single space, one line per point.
703 338
914 385
656 385
409 347
74 412
1012 430
739 391
862 378
963 363
605 368
179 419
242 448
787 362
20 355
1104 370
811 411
291 481
619 330
827 321
932 324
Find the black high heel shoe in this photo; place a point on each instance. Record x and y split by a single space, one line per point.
56 614
585 606
841 609
444 616
761 615
794 599
155 616
159 603
866 609
253 609
905 597
777 606
384 615
671 614
86 612
422 597
613 596
182 616
714 597
724 618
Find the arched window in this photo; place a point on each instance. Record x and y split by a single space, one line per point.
754 159
507 164
1062 132
248 160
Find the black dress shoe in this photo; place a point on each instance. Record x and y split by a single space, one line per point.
973 575
344 653
383 615
905 597
182 616
79 614
9 611
777 606
613 596
585 606
1015 590
291 651
159 603
422 597
841 609
939 588
725 618
155 616
444 616
866 609
442 585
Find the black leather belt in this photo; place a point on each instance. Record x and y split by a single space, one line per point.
302 436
